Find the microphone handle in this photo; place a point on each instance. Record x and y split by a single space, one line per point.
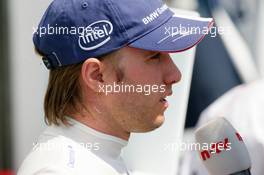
244 172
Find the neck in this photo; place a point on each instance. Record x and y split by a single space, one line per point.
109 128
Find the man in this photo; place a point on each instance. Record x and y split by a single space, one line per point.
100 80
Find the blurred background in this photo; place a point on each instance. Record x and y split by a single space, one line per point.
226 79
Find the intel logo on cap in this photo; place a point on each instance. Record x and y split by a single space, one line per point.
96 35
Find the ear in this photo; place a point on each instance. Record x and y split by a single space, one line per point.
91 74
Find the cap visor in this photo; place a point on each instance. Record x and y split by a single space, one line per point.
177 34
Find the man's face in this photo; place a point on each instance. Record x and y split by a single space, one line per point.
151 74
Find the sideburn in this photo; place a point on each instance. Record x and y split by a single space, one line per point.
119 74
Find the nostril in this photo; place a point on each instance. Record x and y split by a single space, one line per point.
174 78
172 74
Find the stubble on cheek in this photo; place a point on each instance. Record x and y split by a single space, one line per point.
137 112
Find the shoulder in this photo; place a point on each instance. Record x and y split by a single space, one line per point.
61 155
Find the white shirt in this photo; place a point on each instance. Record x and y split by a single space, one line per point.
75 150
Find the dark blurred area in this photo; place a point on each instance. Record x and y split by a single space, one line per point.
5 124
213 73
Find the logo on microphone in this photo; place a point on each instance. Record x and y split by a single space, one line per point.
239 137
218 147
96 35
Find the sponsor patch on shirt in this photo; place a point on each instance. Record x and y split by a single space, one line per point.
71 160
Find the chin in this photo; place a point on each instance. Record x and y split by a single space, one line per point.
148 128
159 120
149 125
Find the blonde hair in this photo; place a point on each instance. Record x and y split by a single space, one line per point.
63 93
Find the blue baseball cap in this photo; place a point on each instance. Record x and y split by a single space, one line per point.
72 31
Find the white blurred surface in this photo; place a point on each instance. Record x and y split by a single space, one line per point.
28 76
260 39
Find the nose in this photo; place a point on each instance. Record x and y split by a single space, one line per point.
172 74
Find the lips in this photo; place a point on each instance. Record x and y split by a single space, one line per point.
164 102
163 99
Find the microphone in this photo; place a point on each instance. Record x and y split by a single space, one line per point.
222 149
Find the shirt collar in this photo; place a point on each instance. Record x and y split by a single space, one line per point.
103 145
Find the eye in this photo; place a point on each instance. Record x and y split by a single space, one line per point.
156 56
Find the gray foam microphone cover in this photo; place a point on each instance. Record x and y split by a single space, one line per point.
230 156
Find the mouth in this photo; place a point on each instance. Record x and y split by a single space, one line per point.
164 102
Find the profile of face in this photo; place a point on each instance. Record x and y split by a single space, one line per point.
141 109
